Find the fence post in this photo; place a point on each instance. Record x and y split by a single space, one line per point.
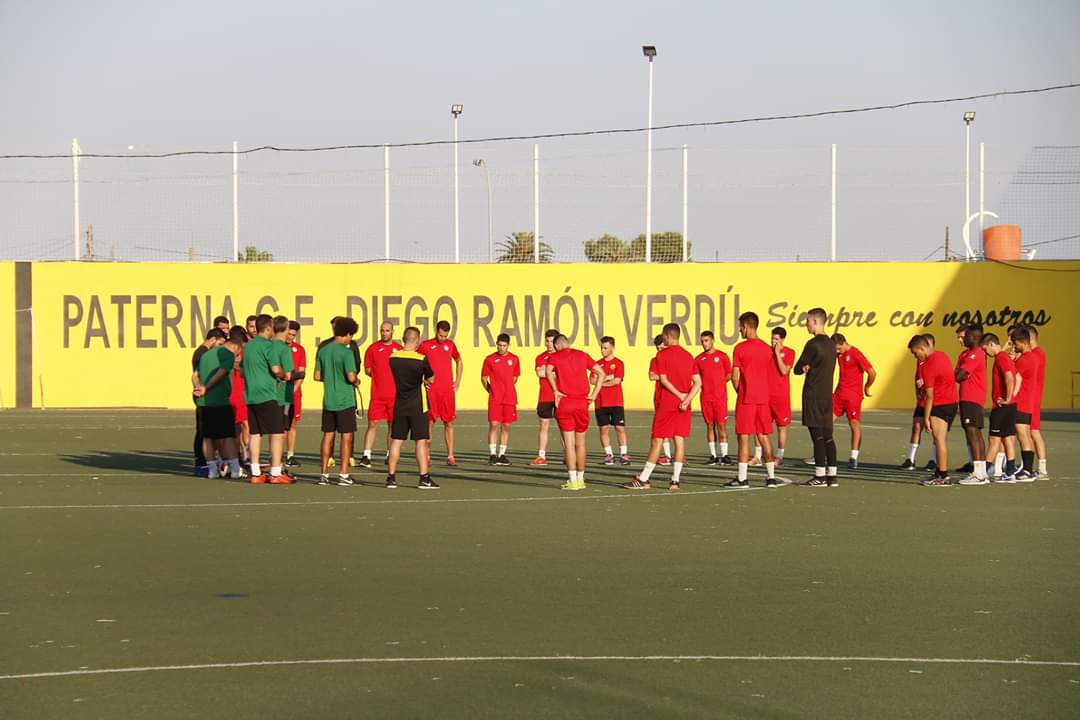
536 202
685 203
386 202
833 245
235 203
982 191
75 151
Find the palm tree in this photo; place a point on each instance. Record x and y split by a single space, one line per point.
518 247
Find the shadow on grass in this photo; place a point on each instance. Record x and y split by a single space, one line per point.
156 462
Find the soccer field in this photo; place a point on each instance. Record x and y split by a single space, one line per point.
133 590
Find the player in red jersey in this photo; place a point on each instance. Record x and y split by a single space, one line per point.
610 410
545 403
917 418
850 390
294 409
714 367
499 375
970 374
383 390
752 367
680 382
442 354
1036 417
780 390
1004 385
654 376
1027 401
940 408
239 404
568 373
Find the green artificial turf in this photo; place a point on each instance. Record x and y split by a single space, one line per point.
115 557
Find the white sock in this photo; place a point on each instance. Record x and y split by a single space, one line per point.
491 448
624 450
572 474
770 470
607 449
912 451
275 471
667 449
1042 466
676 471
581 476
343 476
234 468
712 449
980 468
256 469
854 454
831 472
647 471
757 452
211 469
367 453
742 471
999 463
541 453
819 471
502 450
723 448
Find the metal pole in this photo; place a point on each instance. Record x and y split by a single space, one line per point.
491 221
648 173
457 217
386 202
833 254
75 182
685 205
982 191
235 203
967 172
536 202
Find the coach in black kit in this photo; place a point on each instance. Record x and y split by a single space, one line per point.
818 362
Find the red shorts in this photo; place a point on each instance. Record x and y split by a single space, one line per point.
505 413
1036 418
847 405
780 409
240 412
671 422
752 419
296 409
573 415
380 409
442 405
713 411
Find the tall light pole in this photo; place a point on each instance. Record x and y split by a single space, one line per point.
455 110
969 117
650 53
479 162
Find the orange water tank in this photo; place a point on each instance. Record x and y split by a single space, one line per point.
1002 242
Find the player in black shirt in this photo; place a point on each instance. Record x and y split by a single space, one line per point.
818 362
412 372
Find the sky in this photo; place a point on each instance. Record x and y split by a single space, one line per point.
169 76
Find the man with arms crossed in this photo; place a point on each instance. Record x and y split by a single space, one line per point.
970 374
752 368
1027 401
714 367
441 352
850 390
609 403
499 375
568 372
381 402
780 390
335 368
412 371
263 373
818 362
654 376
545 403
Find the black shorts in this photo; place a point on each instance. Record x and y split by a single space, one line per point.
288 410
218 422
971 415
917 414
411 425
945 412
1023 418
266 418
545 410
610 416
1003 421
341 421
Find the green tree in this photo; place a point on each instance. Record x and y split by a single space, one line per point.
607 248
518 247
253 254
666 248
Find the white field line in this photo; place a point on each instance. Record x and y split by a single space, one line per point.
433 501
551 658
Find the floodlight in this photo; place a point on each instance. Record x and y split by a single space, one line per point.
455 110
969 117
649 50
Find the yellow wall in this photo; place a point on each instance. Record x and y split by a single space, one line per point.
102 340
7 335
